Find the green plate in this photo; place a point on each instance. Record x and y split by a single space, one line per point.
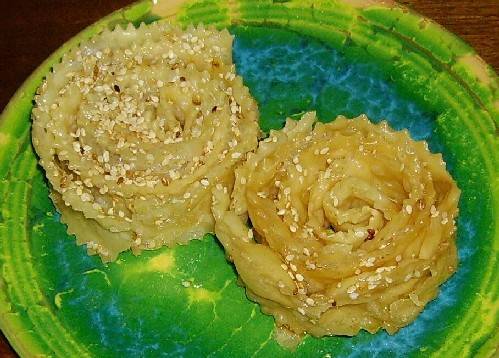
335 57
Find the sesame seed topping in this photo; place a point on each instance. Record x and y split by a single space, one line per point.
351 289
353 295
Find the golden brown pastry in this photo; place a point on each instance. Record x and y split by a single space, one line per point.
135 127
352 227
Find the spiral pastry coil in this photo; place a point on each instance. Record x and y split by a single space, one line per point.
135 127
352 227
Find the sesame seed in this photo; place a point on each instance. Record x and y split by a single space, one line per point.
250 234
284 267
324 150
299 277
236 155
173 174
290 257
281 212
309 301
408 208
187 195
204 182
310 265
351 289
105 156
354 295
306 252
292 228
370 261
398 258
301 310
359 233
86 197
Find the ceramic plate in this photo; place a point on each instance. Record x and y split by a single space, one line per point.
348 57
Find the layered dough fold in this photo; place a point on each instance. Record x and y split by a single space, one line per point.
339 227
135 127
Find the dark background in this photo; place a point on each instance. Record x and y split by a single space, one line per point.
31 30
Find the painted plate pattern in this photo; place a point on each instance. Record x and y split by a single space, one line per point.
337 57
